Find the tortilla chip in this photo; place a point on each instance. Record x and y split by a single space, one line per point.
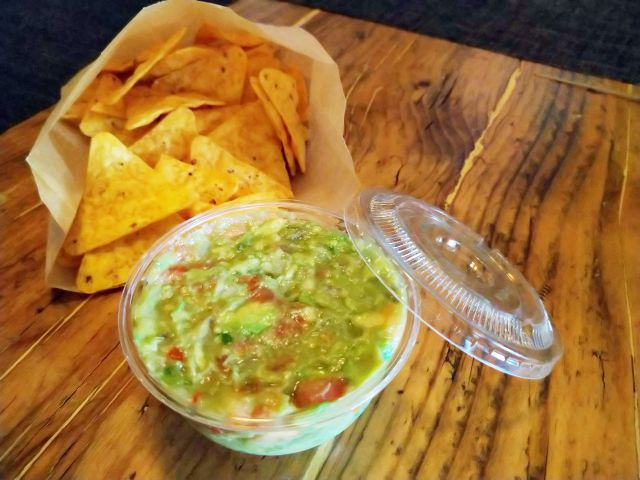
206 153
144 54
157 54
111 265
180 58
281 90
115 110
107 84
173 135
82 103
142 110
138 92
265 196
221 75
257 59
277 123
101 87
201 207
209 118
67 261
198 208
249 136
264 49
208 32
301 87
119 66
122 195
138 97
94 123
207 183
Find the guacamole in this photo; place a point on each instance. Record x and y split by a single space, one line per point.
266 317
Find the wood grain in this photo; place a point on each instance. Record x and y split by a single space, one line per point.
548 172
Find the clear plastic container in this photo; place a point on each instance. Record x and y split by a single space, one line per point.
285 434
452 282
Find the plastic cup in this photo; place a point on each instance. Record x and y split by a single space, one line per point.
288 433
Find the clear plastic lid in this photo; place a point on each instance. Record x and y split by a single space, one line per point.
471 295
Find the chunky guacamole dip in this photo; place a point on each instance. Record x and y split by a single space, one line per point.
266 317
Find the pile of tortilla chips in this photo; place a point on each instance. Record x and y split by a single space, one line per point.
174 132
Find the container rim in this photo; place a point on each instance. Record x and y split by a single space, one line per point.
329 411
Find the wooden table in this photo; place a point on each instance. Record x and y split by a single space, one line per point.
547 171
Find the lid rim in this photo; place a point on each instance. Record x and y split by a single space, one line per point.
503 323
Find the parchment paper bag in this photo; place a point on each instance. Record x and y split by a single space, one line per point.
58 159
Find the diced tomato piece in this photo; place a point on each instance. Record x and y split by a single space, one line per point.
317 390
260 411
198 265
251 281
289 327
195 398
178 269
282 330
262 294
299 319
258 293
216 430
286 328
220 362
176 354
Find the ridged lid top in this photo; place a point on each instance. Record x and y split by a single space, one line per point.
472 296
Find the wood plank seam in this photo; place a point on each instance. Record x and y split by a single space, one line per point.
478 147
593 87
306 18
498 396
386 55
347 122
365 70
28 210
369 105
526 155
55 435
50 331
366 417
454 363
404 51
625 276
625 172
318 460
356 81
116 395
11 189
15 442
443 358
345 437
